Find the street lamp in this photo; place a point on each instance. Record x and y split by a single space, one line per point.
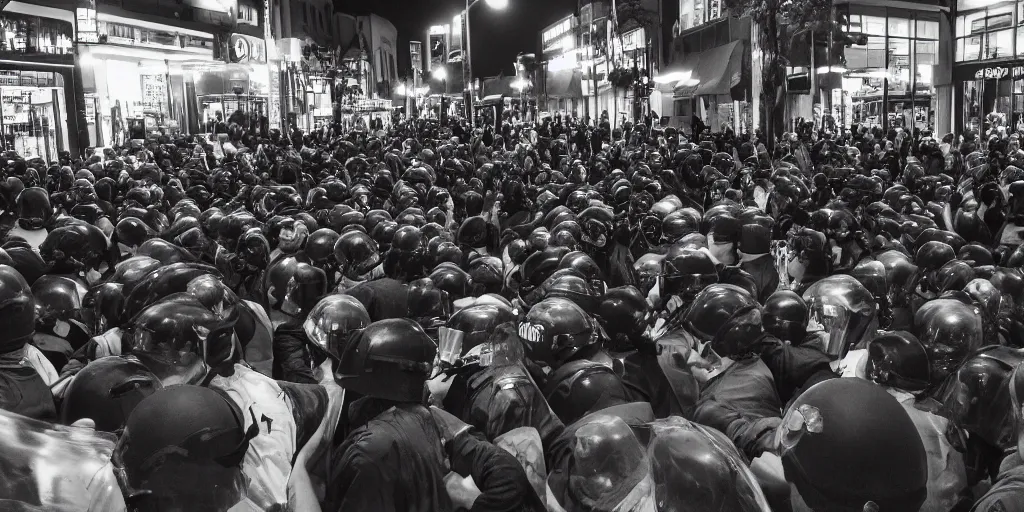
467 58
439 73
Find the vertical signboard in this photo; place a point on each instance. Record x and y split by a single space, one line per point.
85 22
416 58
438 41
455 46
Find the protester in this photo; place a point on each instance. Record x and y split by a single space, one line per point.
560 315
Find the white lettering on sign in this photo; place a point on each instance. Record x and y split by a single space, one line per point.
991 73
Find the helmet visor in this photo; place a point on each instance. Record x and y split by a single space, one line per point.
831 323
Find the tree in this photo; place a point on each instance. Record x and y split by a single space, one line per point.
779 23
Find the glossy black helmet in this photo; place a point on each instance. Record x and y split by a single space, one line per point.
886 463
581 387
713 308
898 359
293 285
332 322
17 310
389 359
107 391
555 330
786 315
356 253
478 322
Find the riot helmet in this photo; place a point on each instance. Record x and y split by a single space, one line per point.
389 359
106 391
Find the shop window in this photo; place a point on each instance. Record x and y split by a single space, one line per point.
928 29
987 32
1000 44
247 15
899 64
873 25
899 27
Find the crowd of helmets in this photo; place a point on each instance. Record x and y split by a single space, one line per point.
553 316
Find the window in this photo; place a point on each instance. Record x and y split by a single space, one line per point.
987 31
247 15
927 29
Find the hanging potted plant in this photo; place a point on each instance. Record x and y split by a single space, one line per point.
621 79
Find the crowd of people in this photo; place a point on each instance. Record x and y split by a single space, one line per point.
535 317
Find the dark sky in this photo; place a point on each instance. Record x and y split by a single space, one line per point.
497 36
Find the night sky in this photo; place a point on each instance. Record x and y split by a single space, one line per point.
497 35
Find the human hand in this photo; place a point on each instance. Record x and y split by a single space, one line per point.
462 490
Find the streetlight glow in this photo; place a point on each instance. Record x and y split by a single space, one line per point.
497 4
439 74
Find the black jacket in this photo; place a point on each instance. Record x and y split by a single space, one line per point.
498 399
292 362
383 298
395 462
795 368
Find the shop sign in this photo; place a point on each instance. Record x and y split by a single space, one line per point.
85 18
10 77
247 49
997 73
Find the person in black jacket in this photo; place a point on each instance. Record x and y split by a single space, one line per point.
399 455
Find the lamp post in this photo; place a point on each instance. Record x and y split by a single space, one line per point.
497 5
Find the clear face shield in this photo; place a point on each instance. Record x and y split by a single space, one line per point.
680 449
180 363
55 467
611 470
831 324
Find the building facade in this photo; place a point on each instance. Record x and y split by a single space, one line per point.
38 80
590 69
150 65
988 70
561 87
708 78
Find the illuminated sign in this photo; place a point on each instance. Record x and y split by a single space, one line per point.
438 51
557 30
245 48
438 29
85 19
998 73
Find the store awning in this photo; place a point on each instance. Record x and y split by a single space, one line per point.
720 69
565 83
686 67
715 72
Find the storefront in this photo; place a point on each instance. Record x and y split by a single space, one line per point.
140 78
37 81
989 69
239 90
709 78
889 75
